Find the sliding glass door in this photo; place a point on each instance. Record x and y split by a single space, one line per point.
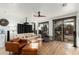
65 29
58 30
69 28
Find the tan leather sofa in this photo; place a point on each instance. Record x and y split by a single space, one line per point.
15 45
28 50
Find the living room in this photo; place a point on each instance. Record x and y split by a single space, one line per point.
32 25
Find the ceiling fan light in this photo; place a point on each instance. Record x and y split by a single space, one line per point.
39 15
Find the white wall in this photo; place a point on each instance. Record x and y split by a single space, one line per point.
77 28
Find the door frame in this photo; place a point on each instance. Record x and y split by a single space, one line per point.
72 17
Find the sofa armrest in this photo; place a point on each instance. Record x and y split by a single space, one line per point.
12 46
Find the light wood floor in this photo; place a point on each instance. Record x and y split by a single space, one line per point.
58 48
52 48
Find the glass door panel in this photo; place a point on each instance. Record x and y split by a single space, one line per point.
69 27
58 28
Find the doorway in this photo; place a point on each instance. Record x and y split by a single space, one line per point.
42 24
65 30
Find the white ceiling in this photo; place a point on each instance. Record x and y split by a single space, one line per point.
29 9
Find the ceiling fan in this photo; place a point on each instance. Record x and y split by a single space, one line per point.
39 15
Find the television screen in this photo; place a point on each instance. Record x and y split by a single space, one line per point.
24 28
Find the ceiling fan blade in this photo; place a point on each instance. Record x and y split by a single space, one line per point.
39 16
35 15
42 16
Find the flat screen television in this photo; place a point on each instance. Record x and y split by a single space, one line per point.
22 28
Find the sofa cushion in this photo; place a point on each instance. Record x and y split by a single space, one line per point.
22 41
15 40
21 45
